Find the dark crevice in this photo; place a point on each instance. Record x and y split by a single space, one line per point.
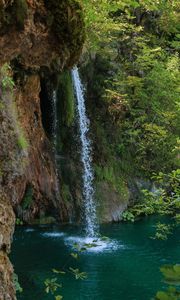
47 108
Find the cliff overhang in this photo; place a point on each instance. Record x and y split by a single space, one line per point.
41 33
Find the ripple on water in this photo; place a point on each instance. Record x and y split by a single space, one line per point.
29 230
53 234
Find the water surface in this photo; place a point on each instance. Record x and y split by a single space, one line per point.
127 268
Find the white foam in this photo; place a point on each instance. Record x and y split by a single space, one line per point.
53 234
29 230
93 244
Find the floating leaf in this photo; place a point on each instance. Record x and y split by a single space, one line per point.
51 285
58 271
59 297
74 255
77 274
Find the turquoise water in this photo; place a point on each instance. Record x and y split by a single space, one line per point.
126 268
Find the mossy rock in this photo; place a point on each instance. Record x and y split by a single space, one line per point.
67 23
66 99
20 8
110 203
13 14
44 221
66 194
28 198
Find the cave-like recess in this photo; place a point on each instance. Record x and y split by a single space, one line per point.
47 108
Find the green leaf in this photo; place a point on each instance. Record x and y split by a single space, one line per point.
58 271
75 255
59 297
77 274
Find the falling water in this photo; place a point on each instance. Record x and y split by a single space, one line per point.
86 158
54 99
54 132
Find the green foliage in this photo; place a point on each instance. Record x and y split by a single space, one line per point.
7 82
128 216
16 283
177 218
170 294
162 231
171 275
133 77
153 115
19 221
165 199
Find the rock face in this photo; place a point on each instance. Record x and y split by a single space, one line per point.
7 221
111 204
33 45
38 169
34 31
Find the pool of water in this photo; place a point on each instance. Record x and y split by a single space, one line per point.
124 268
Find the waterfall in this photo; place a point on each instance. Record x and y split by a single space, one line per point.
91 226
54 131
54 99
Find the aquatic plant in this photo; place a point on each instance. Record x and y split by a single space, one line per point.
171 274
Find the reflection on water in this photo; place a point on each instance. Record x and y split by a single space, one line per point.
125 267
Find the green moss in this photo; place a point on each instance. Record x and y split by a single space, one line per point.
20 12
66 194
28 198
111 175
66 99
22 142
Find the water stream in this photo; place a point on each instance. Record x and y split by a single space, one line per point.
90 218
54 99
54 129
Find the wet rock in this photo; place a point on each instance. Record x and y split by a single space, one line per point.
7 221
